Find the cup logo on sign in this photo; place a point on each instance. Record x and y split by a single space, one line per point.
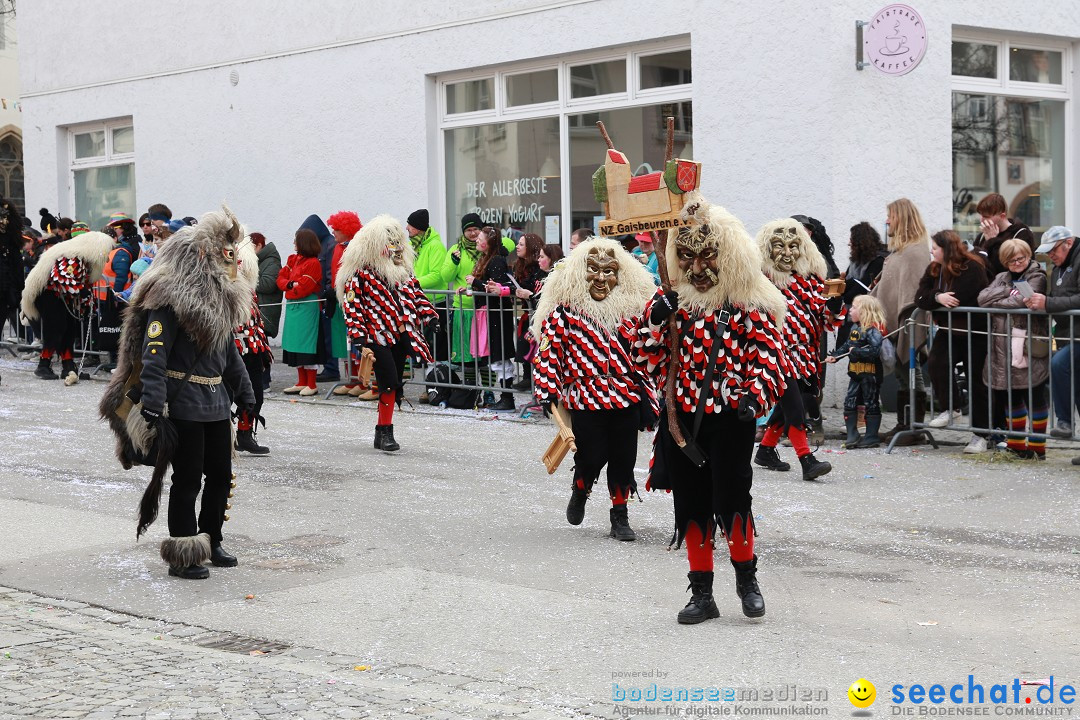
895 40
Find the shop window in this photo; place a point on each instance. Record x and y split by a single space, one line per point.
470 96
102 171
640 134
602 78
1038 66
975 60
510 184
532 88
11 172
1012 146
665 70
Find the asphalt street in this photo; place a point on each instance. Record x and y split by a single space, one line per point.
448 574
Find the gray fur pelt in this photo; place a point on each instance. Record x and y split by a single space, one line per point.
93 248
182 552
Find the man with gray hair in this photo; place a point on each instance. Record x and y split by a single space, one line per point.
1059 243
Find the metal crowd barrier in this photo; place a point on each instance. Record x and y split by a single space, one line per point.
452 348
972 345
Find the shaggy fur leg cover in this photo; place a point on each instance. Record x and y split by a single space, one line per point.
182 552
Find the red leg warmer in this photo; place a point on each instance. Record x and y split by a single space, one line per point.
798 440
772 435
619 498
699 550
741 546
386 408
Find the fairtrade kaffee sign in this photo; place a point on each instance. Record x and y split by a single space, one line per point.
895 40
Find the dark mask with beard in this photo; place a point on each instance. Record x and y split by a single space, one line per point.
601 273
696 258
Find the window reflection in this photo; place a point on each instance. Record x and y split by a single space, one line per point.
1039 66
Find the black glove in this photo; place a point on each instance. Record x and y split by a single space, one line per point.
747 410
151 416
664 307
547 407
835 305
434 327
455 257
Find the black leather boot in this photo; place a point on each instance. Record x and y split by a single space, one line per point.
768 458
45 371
871 439
620 524
386 441
506 402
378 436
702 606
851 421
812 468
575 509
245 440
746 587
220 558
191 572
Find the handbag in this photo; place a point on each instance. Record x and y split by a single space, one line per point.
478 339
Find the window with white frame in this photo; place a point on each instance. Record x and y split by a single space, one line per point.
520 142
102 177
1010 128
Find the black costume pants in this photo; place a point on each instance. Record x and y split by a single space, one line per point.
204 449
791 411
390 364
59 328
863 389
606 437
255 365
719 492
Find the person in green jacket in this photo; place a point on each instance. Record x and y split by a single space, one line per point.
430 256
458 265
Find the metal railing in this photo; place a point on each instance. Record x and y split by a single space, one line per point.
1019 366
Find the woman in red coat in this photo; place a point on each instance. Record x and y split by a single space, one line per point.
300 341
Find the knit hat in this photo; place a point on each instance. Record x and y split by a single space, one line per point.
468 221
79 228
48 220
118 217
175 225
1052 237
419 219
139 266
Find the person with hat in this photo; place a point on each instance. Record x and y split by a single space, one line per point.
1059 244
79 228
457 266
646 255
344 224
430 256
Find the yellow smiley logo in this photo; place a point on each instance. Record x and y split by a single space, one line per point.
154 329
862 693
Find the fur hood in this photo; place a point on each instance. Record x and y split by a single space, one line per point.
566 285
368 250
810 262
93 248
739 260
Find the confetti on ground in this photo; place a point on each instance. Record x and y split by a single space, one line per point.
929 622
249 597
361 668
256 652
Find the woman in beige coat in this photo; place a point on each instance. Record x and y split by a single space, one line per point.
909 247
1019 362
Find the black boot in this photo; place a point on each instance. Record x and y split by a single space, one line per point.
746 587
871 439
851 420
702 606
386 441
812 468
575 509
45 371
220 558
191 572
768 458
816 431
525 384
245 440
506 402
620 524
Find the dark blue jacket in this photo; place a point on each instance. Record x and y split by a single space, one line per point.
326 238
121 264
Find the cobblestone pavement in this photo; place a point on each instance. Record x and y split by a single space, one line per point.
62 659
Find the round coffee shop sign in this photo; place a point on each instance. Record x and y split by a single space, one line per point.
895 40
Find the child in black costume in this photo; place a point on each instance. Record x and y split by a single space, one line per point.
863 347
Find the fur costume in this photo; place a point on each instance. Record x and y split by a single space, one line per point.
193 277
90 249
11 267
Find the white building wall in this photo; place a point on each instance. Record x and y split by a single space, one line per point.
10 117
783 121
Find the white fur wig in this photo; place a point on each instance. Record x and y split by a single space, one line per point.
248 269
810 262
368 249
740 281
93 248
566 285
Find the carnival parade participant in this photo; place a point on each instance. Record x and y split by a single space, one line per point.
385 311
59 292
166 399
727 330
588 313
254 348
794 265
12 277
